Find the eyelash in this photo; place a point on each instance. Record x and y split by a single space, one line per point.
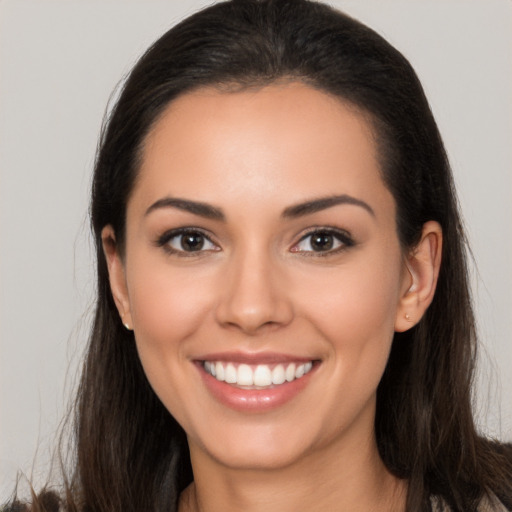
165 239
342 237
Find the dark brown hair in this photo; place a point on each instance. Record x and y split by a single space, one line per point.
131 454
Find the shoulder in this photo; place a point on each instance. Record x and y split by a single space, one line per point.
491 504
46 501
14 507
487 504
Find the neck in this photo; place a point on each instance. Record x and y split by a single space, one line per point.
353 479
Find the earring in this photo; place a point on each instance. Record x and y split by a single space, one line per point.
126 324
407 317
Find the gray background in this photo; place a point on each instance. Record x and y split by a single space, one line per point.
60 61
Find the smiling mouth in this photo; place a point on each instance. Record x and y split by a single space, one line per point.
259 376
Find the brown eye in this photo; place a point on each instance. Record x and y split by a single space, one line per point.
186 241
191 241
323 241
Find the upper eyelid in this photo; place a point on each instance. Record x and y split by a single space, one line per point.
171 233
335 231
326 229
343 236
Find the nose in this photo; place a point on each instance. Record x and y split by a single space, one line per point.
254 295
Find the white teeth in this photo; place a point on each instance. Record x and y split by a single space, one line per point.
245 375
290 372
219 371
230 375
260 376
278 376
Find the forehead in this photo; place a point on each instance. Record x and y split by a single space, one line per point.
280 142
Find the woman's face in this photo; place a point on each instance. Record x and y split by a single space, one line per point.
261 247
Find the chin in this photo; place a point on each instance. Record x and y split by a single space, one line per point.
257 456
261 447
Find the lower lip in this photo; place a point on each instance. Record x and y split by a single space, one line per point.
254 400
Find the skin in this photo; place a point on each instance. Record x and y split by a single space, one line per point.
257 286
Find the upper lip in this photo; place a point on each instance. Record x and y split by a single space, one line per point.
254 357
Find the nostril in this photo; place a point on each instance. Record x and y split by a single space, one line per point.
254 298
253 321
253 327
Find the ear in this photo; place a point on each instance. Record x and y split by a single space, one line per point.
421 270
116 275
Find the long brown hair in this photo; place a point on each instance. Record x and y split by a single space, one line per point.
131 455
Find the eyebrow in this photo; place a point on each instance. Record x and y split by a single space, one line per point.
195 207
323 203
291 212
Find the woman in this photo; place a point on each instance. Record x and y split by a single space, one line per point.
283 318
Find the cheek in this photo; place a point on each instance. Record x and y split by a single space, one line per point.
355 306
167 305
168 308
